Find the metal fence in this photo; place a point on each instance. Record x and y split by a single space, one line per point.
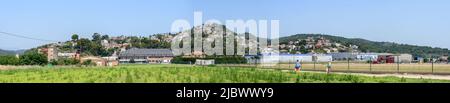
359 67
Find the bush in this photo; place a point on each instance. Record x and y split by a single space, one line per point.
218 60
33 58
182 60
68 61
9 60
88 63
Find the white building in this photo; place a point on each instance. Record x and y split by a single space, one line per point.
204 62
291 58
403 58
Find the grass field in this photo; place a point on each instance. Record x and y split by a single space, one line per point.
183 74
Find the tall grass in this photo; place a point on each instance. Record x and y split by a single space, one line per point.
183 74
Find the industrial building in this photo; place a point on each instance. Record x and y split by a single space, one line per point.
291 58
145 56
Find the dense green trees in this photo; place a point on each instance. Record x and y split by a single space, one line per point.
105 37
146 42
75 37
33 58
94 47
65 61
96 37
9 60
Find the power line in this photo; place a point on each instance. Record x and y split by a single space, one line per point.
31 38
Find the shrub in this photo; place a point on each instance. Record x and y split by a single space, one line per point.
33 58
218 60
9 60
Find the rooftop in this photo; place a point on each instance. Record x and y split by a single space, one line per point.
146 52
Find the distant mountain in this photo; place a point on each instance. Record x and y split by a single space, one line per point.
6 52
10 52
373 46
20 51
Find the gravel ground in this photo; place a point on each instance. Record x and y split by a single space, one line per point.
405 75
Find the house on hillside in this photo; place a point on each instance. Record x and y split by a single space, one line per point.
144 56
66 55
51 53
94 60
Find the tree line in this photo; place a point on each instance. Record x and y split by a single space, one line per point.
29 58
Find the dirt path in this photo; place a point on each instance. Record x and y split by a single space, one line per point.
405 75
2 67
417 76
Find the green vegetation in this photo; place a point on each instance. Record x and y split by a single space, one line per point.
158 41
94 47
33 58
29 58
183 74
371 46
9 60
217 60
65 61
88 63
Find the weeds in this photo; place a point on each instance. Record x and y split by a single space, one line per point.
183 74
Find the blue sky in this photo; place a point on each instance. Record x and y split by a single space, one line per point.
419 22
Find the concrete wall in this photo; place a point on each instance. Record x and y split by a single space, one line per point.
284 58
404 58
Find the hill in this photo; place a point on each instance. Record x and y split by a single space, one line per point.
10 52
373 46
6 52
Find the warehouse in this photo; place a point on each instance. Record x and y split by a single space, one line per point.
144 56
291 58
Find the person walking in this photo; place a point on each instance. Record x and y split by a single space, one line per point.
328 68
298 66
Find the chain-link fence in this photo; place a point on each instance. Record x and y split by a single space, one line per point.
358 67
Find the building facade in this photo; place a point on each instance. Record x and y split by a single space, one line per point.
291 58
145 56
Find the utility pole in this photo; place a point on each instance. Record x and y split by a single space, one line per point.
432 65
370 64
315 60
348 59
314 65
398 64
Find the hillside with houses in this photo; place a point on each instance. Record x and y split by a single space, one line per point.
102 49
320 43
